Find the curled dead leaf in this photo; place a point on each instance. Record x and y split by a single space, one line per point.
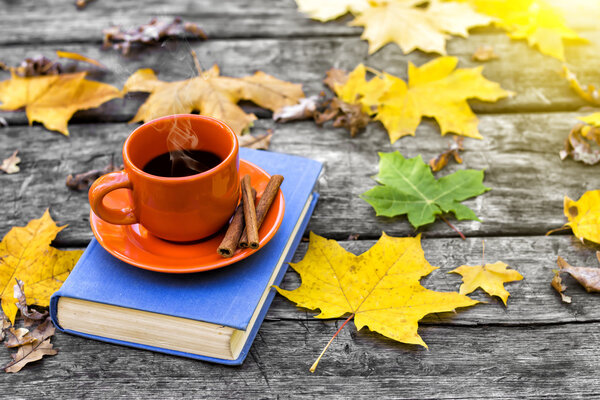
559 287
33 345
484 53
4 325
439 162
344 115
9 165
151 33
18 337
29 315
29 353
305 109
588 277
84 180
583 144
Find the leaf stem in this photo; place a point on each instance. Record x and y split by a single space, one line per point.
196 62
562 228
314 366
453 227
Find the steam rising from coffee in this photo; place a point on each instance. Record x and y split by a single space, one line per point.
179 141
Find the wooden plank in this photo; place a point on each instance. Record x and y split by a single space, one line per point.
519 153
532 300
63 23
534 77
555 362
46 21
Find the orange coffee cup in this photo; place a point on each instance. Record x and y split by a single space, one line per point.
174 208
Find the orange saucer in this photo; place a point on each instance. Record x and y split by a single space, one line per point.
136 246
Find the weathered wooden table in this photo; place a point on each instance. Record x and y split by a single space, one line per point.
535 347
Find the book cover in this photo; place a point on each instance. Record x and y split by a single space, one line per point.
227 296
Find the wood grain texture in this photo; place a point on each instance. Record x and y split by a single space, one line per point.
537 347
519 153
532 300
533 77
226 19
487 351
556 362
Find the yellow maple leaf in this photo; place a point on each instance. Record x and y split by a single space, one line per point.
490 277
53 99
589 93
331 9
538 22
212 95
380 287
434 89
416 27
592 119
584 216
26 254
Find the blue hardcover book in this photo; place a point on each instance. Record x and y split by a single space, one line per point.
212 316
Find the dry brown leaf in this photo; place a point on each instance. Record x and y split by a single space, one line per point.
84 180
41 65
213 95
29 315
9 165
18 337
344 115
335 77
589 278
439 162
33 345
151 33
305 109
38 66
559 287
583 144
44 331
4 324
29 353
484 53
258 142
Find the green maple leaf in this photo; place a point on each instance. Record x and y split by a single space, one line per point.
409 187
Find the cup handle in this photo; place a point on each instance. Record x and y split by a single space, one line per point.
103 186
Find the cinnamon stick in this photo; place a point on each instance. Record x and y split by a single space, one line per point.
236 227
264 204
251 230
